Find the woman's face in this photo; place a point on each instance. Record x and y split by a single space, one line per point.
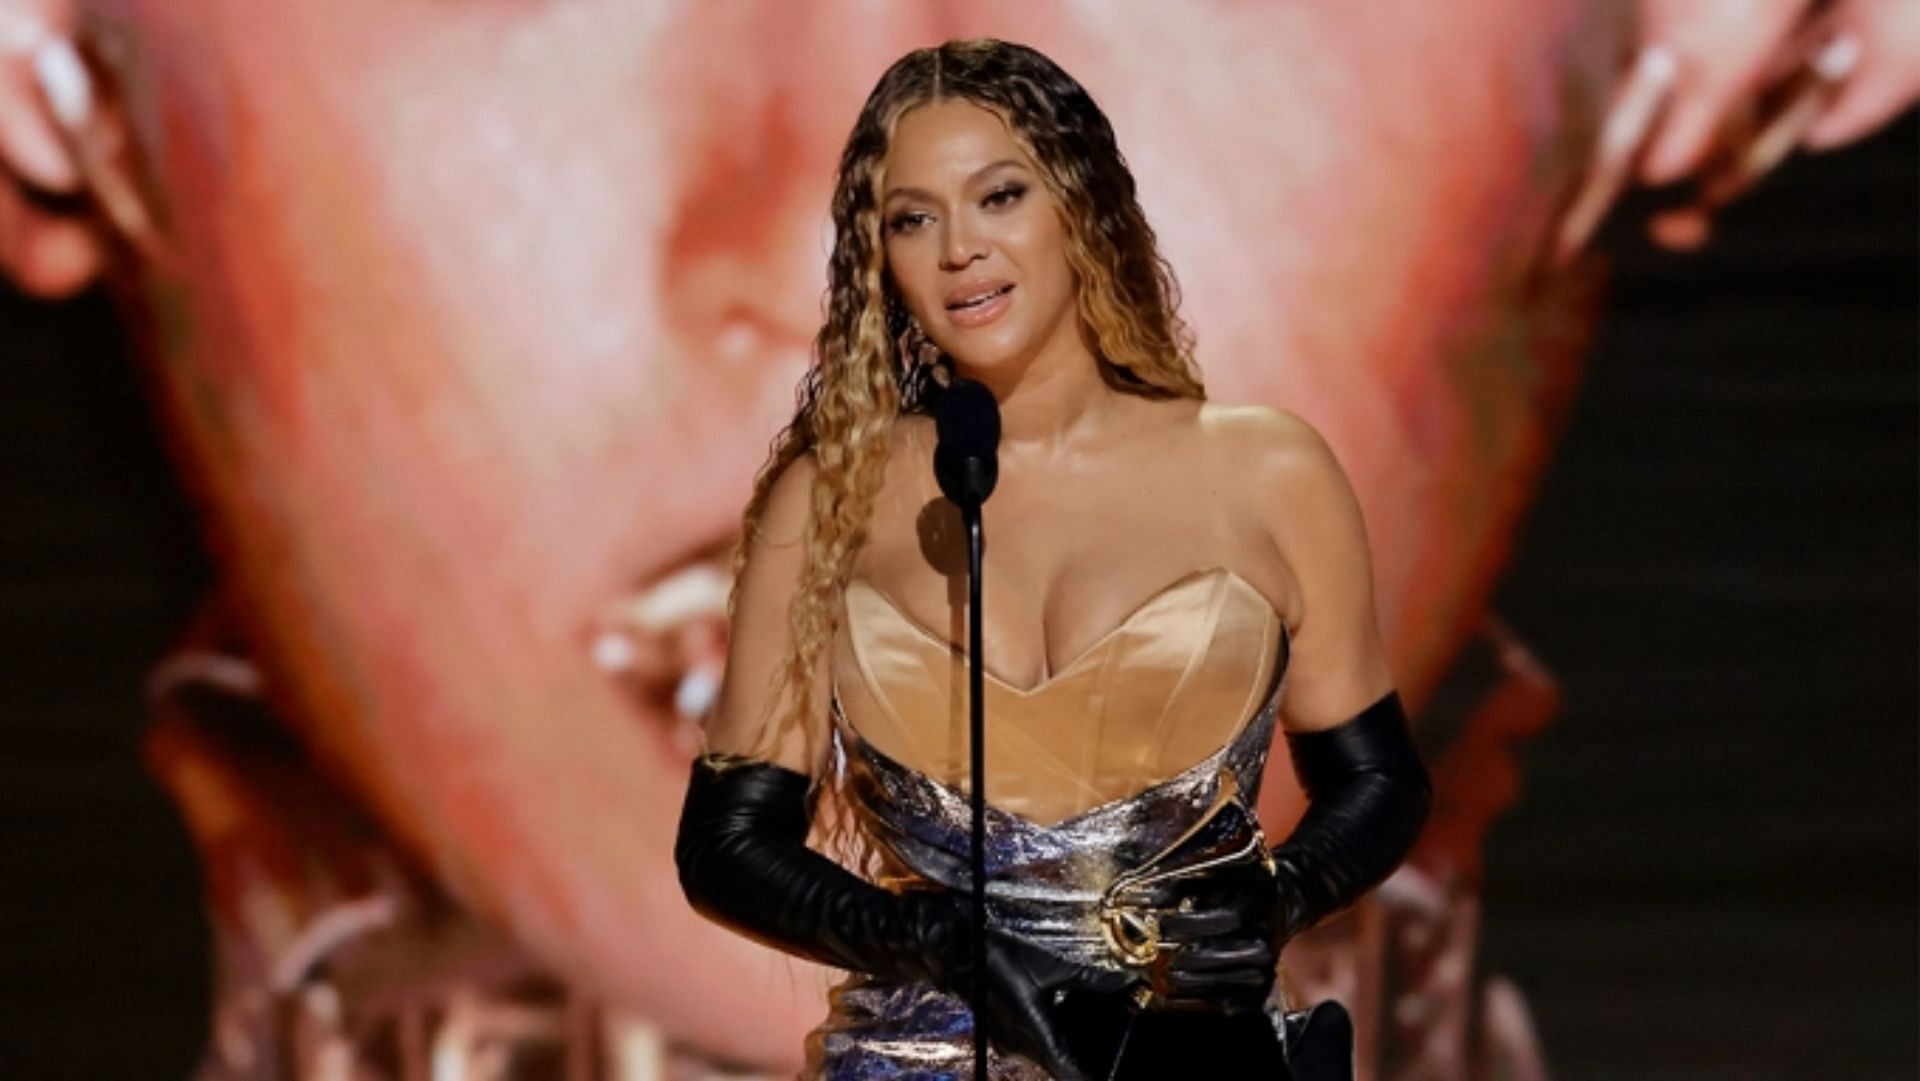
974 242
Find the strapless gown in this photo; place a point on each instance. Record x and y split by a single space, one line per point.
1103 763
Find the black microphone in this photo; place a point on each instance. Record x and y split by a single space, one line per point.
966 461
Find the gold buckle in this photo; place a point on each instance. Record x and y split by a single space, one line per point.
1132 929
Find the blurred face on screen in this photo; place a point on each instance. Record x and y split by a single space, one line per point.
478 316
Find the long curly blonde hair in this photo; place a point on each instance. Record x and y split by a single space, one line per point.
860 379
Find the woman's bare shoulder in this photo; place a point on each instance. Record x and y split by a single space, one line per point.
783 516
1266 442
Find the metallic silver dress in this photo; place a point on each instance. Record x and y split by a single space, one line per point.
1213 638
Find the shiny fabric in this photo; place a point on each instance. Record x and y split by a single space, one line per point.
1103 763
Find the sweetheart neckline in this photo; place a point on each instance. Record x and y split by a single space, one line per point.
1092 648
1265 711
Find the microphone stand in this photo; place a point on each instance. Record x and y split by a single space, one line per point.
966 463
977 725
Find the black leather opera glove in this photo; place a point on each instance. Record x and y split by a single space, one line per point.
1220 937
1368 796
744 862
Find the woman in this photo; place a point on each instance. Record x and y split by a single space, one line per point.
1160 568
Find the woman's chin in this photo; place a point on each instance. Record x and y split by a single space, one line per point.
995 364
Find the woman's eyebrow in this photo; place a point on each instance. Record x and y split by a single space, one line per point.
922 193
1001 164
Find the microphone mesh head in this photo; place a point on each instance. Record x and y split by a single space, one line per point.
966 461
967 418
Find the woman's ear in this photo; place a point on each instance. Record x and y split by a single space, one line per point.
65 182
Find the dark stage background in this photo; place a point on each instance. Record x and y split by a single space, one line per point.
1711 874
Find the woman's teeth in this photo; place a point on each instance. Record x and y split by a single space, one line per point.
668 643
698 590
975 302
697 691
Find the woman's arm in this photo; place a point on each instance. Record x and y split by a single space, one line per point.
1338 663
741 847
1367 792
1347 732
758 634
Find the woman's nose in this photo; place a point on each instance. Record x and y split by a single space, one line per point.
745 243
961 242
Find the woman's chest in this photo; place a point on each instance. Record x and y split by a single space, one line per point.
1169 683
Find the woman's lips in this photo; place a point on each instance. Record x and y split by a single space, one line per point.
983 312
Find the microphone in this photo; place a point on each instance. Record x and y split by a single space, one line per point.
966 460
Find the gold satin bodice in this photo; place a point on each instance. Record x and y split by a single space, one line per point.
1173 682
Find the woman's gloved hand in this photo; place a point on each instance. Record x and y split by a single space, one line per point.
1368 795
743 861
1219 939
1063 1015
1220 943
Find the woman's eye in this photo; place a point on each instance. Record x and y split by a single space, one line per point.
1006 196
906 221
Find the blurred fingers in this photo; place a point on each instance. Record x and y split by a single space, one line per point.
49 245
1762 133
1723 50
1886 78
1630 118
31 150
